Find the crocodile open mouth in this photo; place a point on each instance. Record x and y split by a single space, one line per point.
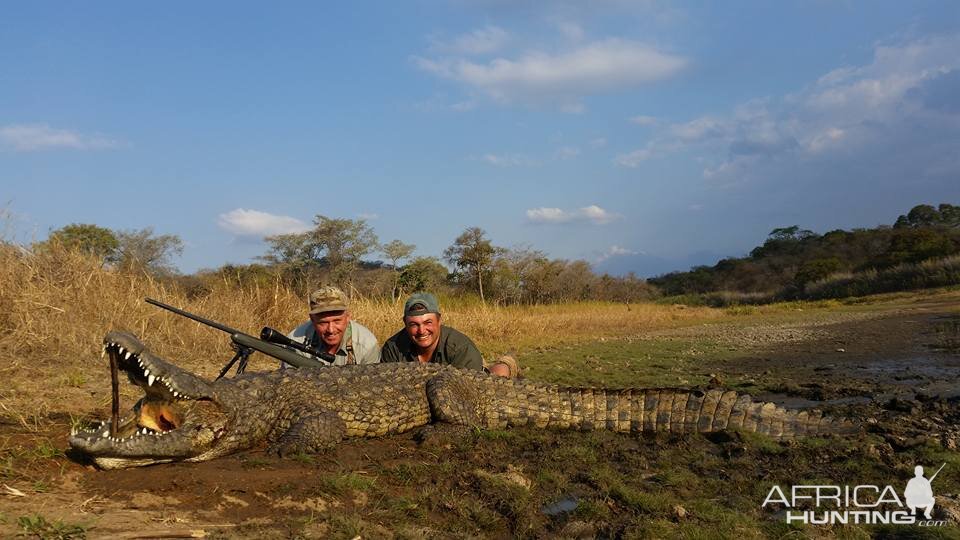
158 412
178 417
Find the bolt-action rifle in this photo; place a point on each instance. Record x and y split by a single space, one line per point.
272 343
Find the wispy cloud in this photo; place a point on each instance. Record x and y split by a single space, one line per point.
536 76
642 120
906 98
36 137
599 142
486 40
634 158
254 223
508 160
615 251
369 216
567 152
588 214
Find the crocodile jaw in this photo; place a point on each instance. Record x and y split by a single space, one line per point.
178 418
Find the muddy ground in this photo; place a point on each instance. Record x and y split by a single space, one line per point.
894 365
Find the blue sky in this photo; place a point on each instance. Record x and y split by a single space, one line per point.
639 135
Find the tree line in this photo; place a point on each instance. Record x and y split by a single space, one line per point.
792 260
791 263
345 252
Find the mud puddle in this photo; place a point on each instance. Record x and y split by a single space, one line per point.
795 402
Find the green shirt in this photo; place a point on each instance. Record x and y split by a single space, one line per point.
453 348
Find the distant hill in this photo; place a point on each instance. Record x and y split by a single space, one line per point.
645 266
792 262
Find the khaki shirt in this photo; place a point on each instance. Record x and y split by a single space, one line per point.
366 350
453 348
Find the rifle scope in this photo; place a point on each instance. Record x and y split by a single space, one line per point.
275 336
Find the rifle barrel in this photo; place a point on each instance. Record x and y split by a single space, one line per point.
189 315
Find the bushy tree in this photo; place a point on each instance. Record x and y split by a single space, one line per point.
98 241
142 250
472 254
422 274
338 245
395 250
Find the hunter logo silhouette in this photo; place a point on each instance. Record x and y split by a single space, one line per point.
919 493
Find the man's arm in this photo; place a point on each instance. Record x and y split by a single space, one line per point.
464 353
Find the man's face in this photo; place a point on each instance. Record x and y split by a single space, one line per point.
330 325
424 330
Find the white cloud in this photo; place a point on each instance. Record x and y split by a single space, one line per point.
599 142
242 222
34 137
507 160
642 120
484 40
615 251
567 152
571 30
635 158
601 66
698 129
905 94
588 214
369 216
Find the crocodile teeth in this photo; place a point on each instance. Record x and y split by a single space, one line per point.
150 379
127 355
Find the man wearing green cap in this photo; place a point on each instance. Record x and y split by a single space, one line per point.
331 330
424 339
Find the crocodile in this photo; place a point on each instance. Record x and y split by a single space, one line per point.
183 417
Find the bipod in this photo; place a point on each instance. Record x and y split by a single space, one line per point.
243 355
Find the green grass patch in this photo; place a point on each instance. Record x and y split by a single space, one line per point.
626 363
36 525
339 484
46 450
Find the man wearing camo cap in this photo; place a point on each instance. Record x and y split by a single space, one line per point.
331 330
424 339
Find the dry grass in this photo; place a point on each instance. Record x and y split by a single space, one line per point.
56 305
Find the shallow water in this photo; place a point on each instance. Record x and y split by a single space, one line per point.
566 504
795 402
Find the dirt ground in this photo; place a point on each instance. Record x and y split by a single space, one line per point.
895 366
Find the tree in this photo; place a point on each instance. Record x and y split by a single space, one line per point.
422 274
924 215
396 250
140 250
472 253
337 244
98 241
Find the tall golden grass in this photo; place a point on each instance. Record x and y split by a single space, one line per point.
56 305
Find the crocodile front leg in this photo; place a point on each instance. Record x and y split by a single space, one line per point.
313 432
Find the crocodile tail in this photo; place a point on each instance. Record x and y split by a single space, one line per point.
657 409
